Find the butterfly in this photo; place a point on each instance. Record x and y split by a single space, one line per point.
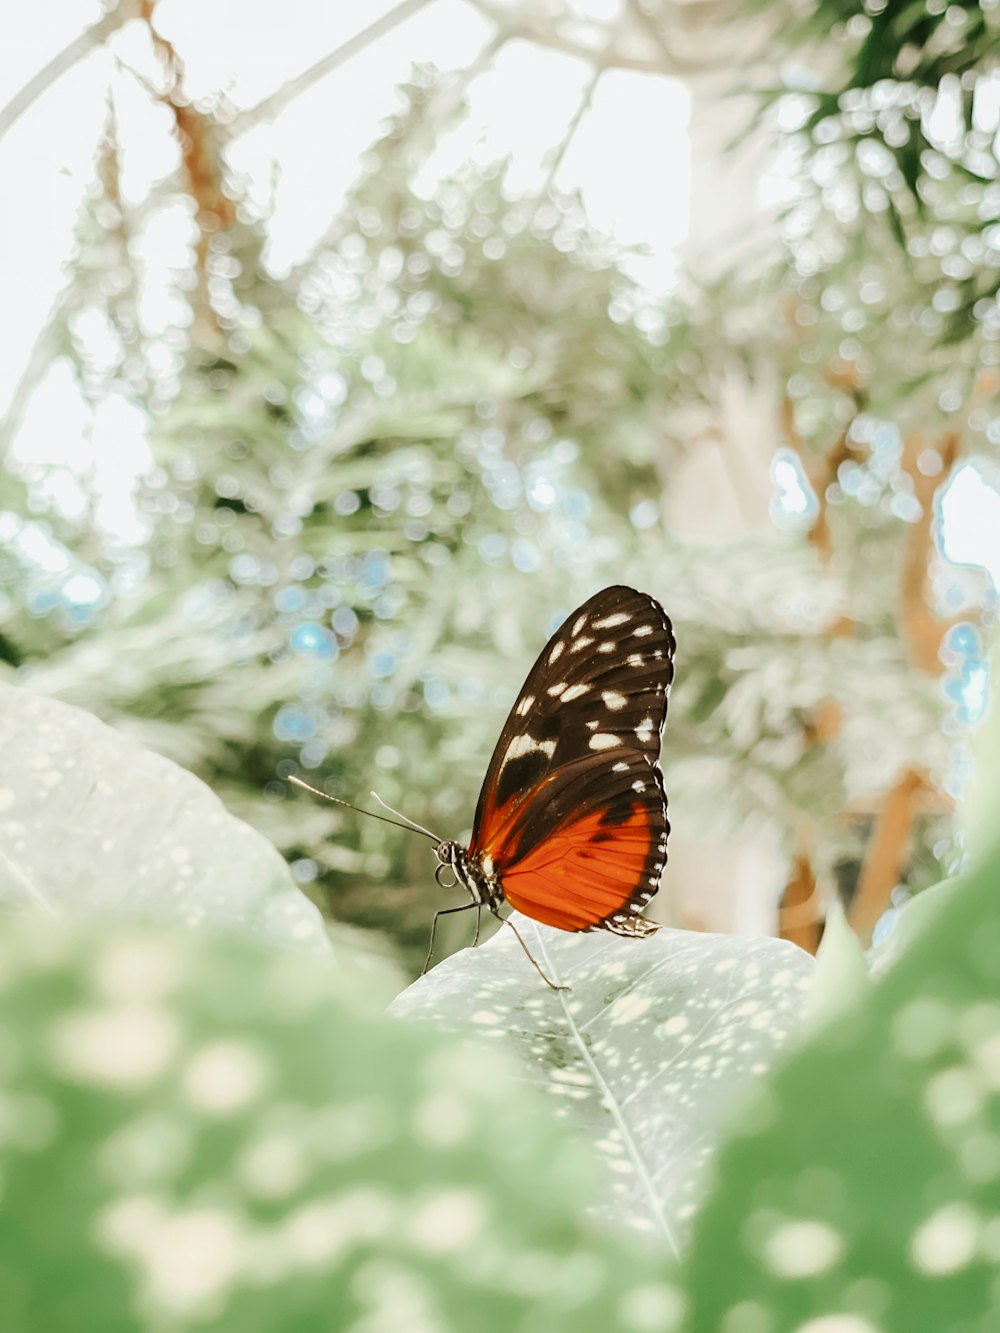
571 825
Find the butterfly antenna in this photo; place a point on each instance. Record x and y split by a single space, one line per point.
411 822
337 800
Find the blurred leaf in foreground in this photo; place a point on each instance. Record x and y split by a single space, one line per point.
862 1191
644 1054
841 970
197 1132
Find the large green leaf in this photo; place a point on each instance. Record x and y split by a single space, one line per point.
644 1054
91 822
198 1132
863 1193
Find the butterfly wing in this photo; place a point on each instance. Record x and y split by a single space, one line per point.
587 853
572 814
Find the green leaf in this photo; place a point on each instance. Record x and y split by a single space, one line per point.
841 971
198 1132
864 1190
91 822
645 1053
920 914
896 223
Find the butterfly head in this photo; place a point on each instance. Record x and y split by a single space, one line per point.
448 853
450 856
456 867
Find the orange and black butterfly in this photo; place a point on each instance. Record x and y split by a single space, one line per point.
571 826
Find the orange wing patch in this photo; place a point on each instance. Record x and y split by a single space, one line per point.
584 873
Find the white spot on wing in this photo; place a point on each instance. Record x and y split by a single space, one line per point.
607 647
619 768
579 624
644 731
642 631
613 701
525 745
575 692
604 741
525 705
634 659
557 652
556 690
609 622
580 643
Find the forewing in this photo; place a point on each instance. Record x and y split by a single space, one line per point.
586 850
598 689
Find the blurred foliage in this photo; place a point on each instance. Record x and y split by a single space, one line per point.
378 481
898 106
199 1132
129 838
239 1138
877 1210
374 484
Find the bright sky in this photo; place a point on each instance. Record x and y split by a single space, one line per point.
970 522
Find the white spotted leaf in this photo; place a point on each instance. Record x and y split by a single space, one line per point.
90 822
646 1055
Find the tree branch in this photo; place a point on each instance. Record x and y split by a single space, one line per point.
201 165
448 101
71 55
583 107
541 32
887 852
799 914
821 474
287 93
921 628
673 63
43 349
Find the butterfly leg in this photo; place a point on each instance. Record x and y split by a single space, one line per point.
479 922
506 921
444 912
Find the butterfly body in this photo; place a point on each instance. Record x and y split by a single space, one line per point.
571 825
479 880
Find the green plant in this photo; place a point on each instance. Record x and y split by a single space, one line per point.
864 1183
378 480
203 1129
